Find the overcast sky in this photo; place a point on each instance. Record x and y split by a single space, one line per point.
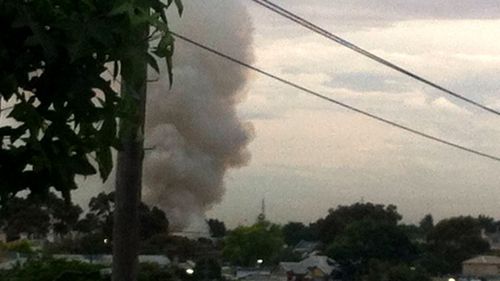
309 155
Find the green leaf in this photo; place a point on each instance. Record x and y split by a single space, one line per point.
180 7
105 161
108 130
153 63
116 69
125 8
81 165
169 70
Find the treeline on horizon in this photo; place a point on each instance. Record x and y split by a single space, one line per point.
368 240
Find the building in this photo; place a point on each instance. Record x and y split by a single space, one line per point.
481 266
304 248
492 238
314 268
252 274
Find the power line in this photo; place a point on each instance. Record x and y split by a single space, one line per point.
344 105
307 24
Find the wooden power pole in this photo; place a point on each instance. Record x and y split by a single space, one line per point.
129 165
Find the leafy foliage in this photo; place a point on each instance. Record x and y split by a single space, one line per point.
55 57
19 246
380 271
207 269
217 228
245 245
153 272
294 232
96 227
35 216
52 270
426 224
338 219
451 242
367 240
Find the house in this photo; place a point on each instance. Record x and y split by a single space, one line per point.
492 238
304 248
252 274
314 268
481 266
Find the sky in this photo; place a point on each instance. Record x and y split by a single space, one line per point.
308 155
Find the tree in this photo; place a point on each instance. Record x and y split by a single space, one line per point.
390 272
23 215
64 215
207 269
367 240
245 245
338 219
152 221
217 228
487 223
426 224
43 269
452 241
96 227
100 218
36 216
55 56
294 232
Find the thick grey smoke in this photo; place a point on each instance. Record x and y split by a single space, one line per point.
193 129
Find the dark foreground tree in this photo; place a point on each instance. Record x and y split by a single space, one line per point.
54 56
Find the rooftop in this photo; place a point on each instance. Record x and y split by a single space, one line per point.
483 260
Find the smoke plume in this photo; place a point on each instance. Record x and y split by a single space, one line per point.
193 129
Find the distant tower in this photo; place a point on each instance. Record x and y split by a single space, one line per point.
262 215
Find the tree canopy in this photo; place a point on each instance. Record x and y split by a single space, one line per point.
294 232
338 219
99 219
217 228
452 241
367 240
245 245
36 216
56 82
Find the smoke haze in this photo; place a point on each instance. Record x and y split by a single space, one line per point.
193 130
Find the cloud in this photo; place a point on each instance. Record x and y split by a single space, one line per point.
445 104
369 82
362 14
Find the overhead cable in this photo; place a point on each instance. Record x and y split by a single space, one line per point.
339 103
317 29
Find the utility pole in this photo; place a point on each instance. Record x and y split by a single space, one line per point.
129 164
